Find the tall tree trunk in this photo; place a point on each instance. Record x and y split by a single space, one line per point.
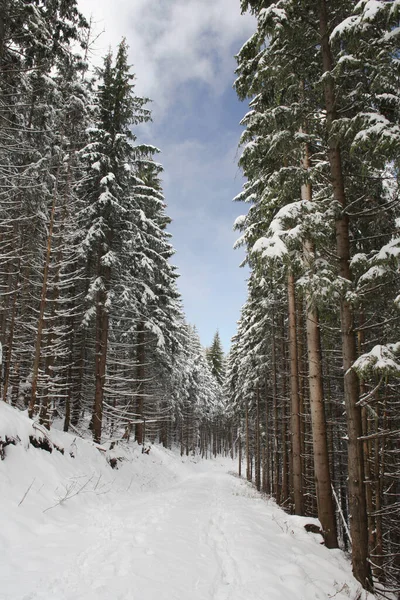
102 321
357 500
240 452
42 306
377 558
78 391
258 445
3 13
276 486
4 309
367 449
301 342
44 417
187 434
266 469
285 496
285 499
323 484
248 466
9 347
297 475
140 375
70 381
326 511
102 325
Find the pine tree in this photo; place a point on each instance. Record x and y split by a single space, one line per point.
216 359
110 158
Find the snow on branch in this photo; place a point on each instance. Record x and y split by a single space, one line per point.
381 360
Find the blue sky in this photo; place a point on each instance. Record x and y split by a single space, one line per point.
182 54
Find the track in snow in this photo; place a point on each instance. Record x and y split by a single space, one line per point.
206 538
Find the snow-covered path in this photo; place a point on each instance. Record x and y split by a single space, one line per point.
208 537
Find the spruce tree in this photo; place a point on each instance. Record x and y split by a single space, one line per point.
110 158
216 358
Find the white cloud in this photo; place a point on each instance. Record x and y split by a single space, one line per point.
172 42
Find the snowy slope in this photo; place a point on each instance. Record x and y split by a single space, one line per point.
158 528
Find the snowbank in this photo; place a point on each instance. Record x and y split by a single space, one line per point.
160 527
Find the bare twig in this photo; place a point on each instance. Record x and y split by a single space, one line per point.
68 495
27 492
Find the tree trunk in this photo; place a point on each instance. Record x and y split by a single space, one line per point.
248 467
44 417
77 399
140 375
356 487
323 484
285 499
258 445
297 475
101 361
276 486
3 13
302 370
367 450
377 558
102 324
8 357
326 511
266 469
36 361
240 452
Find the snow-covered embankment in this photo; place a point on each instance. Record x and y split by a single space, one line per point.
158 528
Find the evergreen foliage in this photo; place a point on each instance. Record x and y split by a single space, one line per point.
91 320
216 359
320 157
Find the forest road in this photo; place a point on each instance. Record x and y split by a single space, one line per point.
207 538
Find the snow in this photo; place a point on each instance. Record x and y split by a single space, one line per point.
271 247
287 211
376 125
239 221
373 273
273 11
391 34
370 8
344 26
157 332
358 259
110 259
14 424
104 181
381 360
160 527
390 249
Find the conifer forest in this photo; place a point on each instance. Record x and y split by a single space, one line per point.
94 338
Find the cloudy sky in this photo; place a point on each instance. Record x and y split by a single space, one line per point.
182 54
